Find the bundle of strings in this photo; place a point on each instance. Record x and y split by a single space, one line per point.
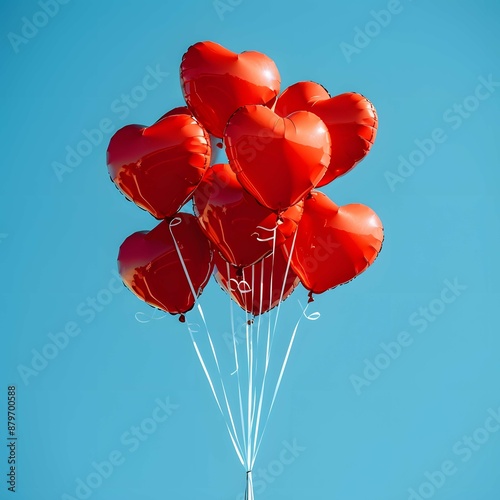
249 487
252 384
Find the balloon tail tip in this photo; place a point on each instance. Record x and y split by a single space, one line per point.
311 298
182 318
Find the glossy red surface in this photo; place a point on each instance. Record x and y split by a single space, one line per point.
216 82
150 267
159 167
334 244
351 120
180 110
236 224
277 160
257 288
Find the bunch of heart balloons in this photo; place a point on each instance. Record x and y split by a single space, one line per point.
259 224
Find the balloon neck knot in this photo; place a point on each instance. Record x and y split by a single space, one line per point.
311 298
239 272
279 218
219 145
309 196
249 322
182 318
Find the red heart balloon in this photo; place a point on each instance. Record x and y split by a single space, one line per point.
277 160
351 120
241 229
149 263
258 288
216 82
184 110
159 167
180 110
333 244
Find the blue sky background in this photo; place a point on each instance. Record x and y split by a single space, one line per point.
60 239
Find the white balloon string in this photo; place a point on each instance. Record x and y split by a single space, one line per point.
289 260
235 350
282 371
148 318
268 351
256 447
234 438
259 238
249 494
242 285
311 317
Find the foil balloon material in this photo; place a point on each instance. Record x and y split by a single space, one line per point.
259 288
334 244
214 141
159 167
240 228
351 120
153 264
259 226
180 110
259 209
277 160
216 82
